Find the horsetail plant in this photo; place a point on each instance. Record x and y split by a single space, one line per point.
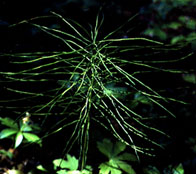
98 77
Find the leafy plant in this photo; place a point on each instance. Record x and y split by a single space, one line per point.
19 130
70 166
117 159
178 169
4 154
166 25
191 78
94 78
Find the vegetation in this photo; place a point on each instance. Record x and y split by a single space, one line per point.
93 80
173 21
20 131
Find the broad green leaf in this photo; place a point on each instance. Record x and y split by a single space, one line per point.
115 163
177 39
59 163
31 137
106 168
118 147
9 122
18 139
179 169
72 162
127 157
105 147
7 133
126 167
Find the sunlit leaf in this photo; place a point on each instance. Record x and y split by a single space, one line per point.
106 168
178 170
40 167
31 137
60 163
7 133
18 139
71 163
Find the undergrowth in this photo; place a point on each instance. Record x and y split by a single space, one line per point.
94 79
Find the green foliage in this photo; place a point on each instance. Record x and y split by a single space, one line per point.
191 78
19 131
69 166
151 170
156 32
41 168
168 26
94 78
178 169
116 158
5 153
8 122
